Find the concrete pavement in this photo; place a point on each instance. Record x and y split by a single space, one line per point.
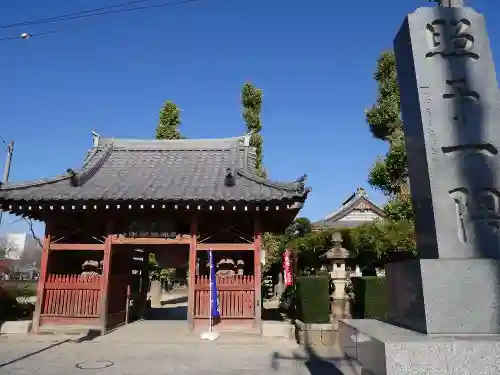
124 354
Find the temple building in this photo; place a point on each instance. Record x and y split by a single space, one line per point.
354 211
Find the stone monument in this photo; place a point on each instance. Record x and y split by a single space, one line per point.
445 306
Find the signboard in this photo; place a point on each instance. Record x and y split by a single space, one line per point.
154 229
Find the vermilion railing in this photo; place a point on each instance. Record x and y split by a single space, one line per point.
71 296
236 297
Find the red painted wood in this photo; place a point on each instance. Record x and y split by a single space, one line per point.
58 320
192 270
77 246
71 296
40 295
257 242
106 267
236 297
225 246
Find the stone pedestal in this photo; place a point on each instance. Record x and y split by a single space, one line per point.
384 349
445 296
155 293
341 309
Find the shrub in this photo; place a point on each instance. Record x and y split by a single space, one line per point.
370 298
10 308
8 305
313 305
287 302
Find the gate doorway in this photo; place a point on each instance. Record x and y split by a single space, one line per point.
168 292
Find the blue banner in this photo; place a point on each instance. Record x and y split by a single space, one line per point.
214 300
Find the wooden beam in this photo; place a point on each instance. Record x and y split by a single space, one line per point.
192 269
257 242
226 246
180 240
77 246
40 290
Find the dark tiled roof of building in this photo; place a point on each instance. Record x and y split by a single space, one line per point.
167 170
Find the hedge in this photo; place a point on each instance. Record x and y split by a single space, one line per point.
313 305
370 298
10 309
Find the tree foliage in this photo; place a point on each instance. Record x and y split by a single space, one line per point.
157 273
169 122
373 245
389 173
274 245
387 240
3 248
251 100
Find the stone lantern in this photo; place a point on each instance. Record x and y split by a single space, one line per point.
336 259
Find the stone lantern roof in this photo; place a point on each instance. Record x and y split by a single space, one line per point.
337 251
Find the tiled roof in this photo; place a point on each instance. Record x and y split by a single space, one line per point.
334 221
167 170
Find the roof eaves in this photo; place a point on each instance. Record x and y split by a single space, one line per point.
293 187
50 180
81 177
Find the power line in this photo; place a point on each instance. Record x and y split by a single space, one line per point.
28 35
95 12
24 23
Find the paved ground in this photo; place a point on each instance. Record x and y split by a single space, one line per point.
163 345
145 348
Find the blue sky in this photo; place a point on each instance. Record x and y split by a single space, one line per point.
313 59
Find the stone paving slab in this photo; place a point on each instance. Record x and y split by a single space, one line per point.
214 358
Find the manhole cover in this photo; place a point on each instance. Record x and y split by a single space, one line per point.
94 365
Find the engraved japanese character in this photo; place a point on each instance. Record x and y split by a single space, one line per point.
479 209
450 39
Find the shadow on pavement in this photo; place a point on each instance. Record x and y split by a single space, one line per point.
91 335
169 313
271 314
316 364
174 301
33 353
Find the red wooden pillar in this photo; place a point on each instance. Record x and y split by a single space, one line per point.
193 245
144 282
40 290
257 245
106 267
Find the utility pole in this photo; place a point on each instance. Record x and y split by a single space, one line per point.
6 171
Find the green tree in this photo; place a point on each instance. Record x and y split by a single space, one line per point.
274 245
389 174
299 228
381 242
169 122
3 248
251 100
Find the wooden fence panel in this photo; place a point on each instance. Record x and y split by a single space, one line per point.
71 296
236 297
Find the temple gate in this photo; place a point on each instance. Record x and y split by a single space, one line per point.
130 196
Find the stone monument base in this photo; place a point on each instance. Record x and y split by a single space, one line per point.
383 349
